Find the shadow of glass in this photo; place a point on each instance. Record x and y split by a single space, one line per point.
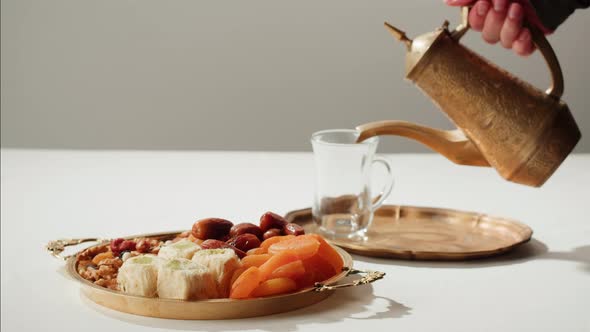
532 250
579 254
349 303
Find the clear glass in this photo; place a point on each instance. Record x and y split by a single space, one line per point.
343 204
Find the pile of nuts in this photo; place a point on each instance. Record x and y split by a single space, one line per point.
101 264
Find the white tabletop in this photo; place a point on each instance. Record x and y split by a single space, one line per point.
544 286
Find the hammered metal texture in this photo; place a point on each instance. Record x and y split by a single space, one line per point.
423 233
522 132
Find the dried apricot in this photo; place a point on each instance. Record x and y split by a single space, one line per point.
319 268
329 254
293 270
255 251
246 283
275 287
276 261
255 260
236 274
306 280
275 239
303 246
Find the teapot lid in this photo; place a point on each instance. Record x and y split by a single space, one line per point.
419 46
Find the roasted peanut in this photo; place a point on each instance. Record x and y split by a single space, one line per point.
272 220
245 242
108 283
89 253
211 228
293 229
272 233
245 228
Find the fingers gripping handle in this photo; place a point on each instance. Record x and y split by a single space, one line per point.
556 88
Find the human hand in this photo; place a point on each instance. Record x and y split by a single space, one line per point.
501 21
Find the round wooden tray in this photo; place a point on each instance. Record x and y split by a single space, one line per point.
205 309
423 233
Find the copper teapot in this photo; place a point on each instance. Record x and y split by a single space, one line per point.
504 122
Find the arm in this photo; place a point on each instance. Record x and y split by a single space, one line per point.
554 12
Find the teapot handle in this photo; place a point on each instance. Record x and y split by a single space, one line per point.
556 88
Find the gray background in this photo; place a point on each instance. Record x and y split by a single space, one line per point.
247 75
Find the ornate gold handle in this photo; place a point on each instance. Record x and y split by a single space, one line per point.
56 247
370 277
556 88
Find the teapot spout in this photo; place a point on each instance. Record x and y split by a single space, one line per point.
399 35
453 144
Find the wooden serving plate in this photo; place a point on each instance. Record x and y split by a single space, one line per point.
205 309
424 233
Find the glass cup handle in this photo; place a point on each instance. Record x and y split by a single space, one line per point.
388 187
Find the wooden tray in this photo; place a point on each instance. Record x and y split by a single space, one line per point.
205 309
423 233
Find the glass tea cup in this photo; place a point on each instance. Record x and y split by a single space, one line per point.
343 205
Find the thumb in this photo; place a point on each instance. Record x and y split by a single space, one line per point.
459 2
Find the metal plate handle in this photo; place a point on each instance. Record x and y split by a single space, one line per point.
56 247
370 276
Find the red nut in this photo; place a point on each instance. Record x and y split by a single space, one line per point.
272 220
211 228
246 228
245 242
272 233
116 243
293 229
143 246
119 245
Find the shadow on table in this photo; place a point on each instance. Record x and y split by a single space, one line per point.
579 254
357 303
532 250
